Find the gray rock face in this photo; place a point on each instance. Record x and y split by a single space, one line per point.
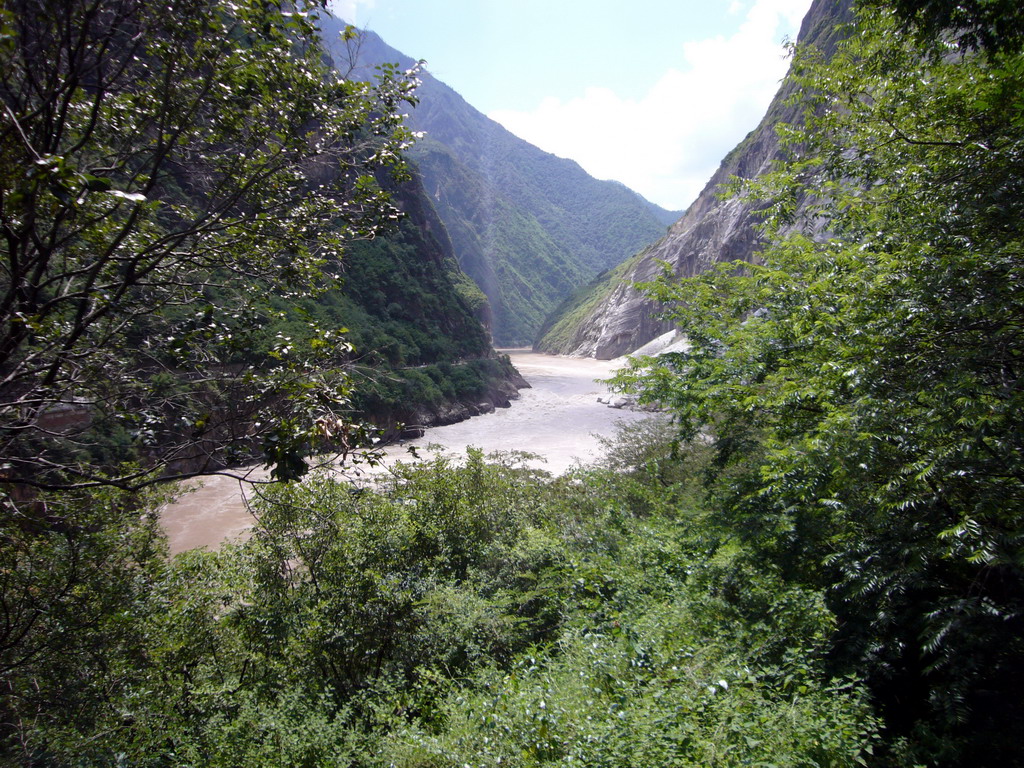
712 229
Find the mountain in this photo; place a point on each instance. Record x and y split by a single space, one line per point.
528 227
422 356
609 317
418 324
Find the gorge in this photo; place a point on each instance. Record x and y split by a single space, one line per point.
213 254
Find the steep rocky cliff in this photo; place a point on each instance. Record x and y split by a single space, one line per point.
611 318
529 227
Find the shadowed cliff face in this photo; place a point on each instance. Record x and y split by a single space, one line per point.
711 230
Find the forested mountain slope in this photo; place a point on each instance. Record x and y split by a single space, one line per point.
528 227
422 354
612 318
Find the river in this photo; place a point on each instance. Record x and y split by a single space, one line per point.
559 418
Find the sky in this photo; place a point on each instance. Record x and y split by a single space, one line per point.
651 93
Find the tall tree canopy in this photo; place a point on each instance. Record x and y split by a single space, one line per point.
991 25
164 169
169 172
862 388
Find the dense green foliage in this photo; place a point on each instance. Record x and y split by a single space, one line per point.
169 287
412 319
479 614
166 169
993 25
861 390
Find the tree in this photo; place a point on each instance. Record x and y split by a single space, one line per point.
862 389
991 25
169 173
165 168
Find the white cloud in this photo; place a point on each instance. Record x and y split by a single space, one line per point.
352 11
667 143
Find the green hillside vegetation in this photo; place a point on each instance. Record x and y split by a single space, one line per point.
412 318
526 271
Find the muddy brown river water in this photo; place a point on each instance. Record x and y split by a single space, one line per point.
559 419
